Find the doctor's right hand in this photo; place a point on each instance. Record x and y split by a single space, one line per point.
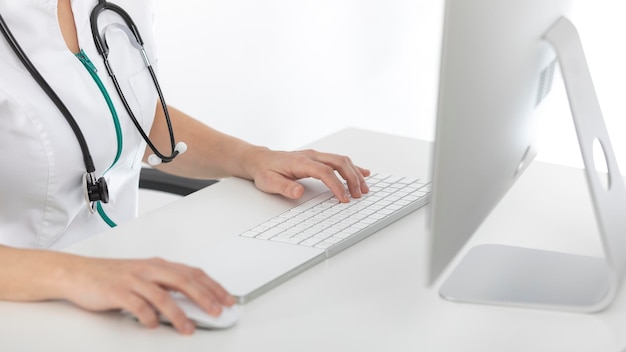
142 287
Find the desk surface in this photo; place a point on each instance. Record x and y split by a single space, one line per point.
371 297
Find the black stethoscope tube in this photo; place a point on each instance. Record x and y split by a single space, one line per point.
95 189
89 165
103 49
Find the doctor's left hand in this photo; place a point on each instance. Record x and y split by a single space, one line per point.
141 287
277 172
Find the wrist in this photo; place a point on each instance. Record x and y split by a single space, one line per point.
250 161
58 275
32 275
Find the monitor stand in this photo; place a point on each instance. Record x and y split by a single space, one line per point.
513 276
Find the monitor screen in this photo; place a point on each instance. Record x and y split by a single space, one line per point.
495 70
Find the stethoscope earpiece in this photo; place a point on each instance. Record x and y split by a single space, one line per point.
181 147
154 160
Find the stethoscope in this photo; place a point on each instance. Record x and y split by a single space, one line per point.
96 189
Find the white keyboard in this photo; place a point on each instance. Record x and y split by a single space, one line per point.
324 222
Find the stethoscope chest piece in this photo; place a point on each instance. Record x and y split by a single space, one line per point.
95 190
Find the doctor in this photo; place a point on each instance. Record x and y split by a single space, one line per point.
42 178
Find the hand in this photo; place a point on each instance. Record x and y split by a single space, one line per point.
142 287
276 172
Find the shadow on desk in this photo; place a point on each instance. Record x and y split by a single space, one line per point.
158 188
160 181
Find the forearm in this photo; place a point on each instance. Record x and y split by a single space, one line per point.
31 275
210 153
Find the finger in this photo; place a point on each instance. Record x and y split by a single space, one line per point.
336 186
206 285
355 179
140 309
224 297
181 278
363 174
275 183
354 175
326 174
163 302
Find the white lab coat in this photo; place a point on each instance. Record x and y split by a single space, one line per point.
42 202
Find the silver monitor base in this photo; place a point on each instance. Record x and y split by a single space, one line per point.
515 276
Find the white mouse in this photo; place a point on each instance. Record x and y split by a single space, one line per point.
202 319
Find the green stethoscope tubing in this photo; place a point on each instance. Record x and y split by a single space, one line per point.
91 68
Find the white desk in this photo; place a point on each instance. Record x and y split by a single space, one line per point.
372 297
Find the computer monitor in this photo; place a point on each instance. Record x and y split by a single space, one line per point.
497 62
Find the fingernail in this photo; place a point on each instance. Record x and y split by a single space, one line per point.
215 309
298 191
189 327
230 300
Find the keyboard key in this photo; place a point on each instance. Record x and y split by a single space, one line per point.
290 240
310 242
265 235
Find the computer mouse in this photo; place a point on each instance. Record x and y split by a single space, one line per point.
203 320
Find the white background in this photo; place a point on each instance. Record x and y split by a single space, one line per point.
282 73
